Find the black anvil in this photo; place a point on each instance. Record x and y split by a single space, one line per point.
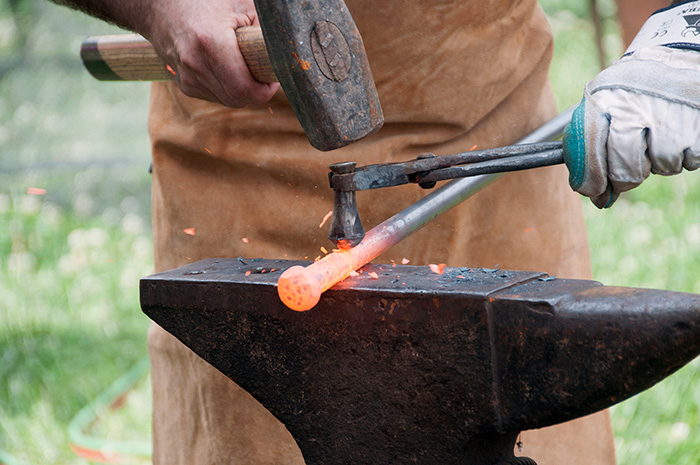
444 369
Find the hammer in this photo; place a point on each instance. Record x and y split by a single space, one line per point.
313 49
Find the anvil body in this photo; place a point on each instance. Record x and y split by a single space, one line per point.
414 366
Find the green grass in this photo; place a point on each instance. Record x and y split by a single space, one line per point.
70 259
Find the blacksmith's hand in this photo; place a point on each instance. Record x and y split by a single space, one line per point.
642 114
197 40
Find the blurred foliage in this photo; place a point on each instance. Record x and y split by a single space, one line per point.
71 258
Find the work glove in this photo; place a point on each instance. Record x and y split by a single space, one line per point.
642 114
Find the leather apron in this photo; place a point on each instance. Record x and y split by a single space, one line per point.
450 74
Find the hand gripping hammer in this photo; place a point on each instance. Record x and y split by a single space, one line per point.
312 48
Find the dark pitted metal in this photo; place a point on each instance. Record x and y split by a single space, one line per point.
318 56
419 367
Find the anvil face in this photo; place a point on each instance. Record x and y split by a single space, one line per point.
412 365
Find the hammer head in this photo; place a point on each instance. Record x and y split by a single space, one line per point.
318 56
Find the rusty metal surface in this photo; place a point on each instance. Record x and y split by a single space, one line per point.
415 366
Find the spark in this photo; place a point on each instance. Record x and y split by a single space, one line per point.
529 229
170 70
207 150
405 261
189 231
393 264
437 269
325 218
305 65
247 273
271 112
473 148
245 240
323 249
36 191
373 275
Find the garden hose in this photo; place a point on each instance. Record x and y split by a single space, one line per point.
106 450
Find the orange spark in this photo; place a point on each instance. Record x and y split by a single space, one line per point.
36 191
373 275
189 231
405 261
207 150
325 218
323 249
247 273
170 70
460 276
529 229
305 65
438 269
473 148
271 112
354 273
393 264
245 240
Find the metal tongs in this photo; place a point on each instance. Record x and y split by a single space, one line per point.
427 169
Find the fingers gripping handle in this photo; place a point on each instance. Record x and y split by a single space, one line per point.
130 57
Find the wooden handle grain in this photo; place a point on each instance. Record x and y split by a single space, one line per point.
130 57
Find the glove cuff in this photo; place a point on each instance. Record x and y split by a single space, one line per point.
575 147
677 26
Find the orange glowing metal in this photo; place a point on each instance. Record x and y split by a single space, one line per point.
301 288
325 218
189 231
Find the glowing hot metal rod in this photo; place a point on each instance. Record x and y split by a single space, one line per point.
300 288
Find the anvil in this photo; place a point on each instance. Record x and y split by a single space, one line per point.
406 364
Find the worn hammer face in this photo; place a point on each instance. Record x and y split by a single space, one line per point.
318 56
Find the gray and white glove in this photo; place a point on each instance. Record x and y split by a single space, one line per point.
642 114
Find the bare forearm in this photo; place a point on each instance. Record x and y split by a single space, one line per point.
128 14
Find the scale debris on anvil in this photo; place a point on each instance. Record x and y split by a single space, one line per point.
446 369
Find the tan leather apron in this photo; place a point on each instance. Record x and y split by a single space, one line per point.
451 74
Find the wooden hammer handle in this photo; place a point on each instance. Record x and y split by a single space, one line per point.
130 57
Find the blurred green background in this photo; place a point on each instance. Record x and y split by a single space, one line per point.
71 257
